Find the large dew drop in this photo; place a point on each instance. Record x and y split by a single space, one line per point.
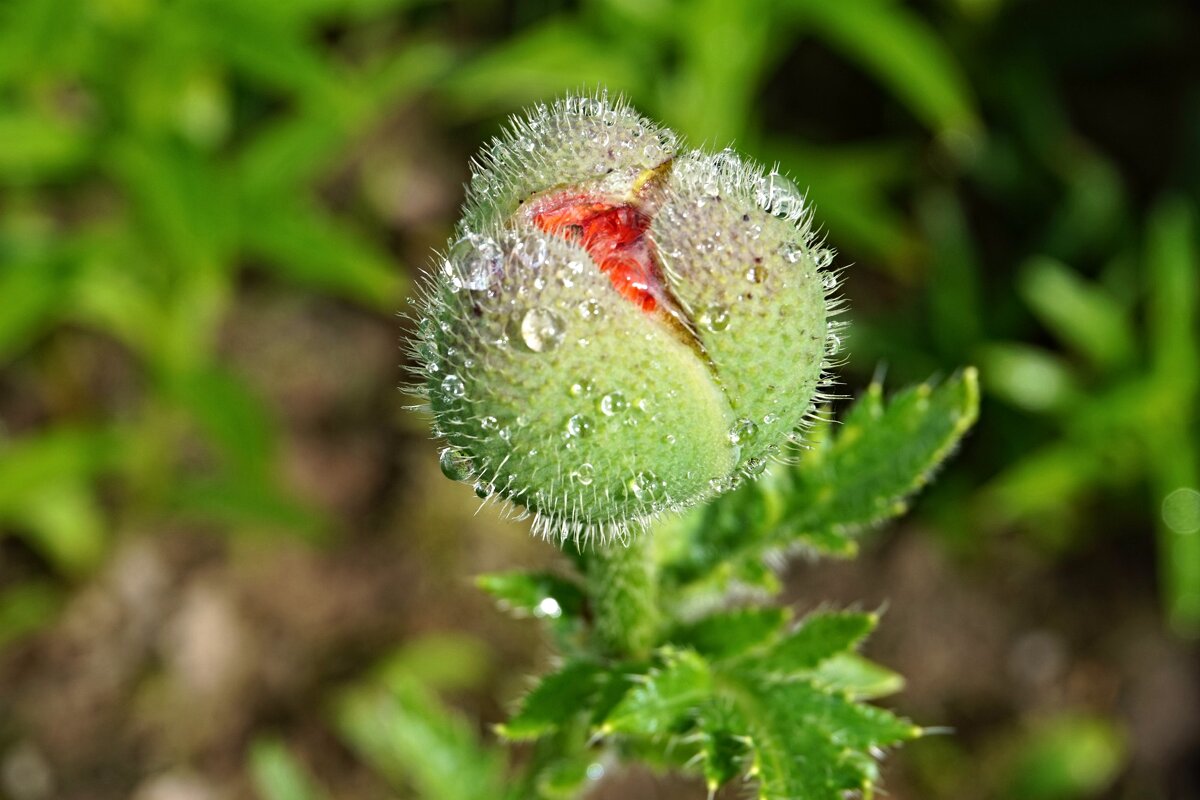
454 464
472 262
541 330
453 386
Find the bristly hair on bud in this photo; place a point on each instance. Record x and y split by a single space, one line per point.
620 328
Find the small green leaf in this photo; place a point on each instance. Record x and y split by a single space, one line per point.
278 775
854 476
411 739
819 637
442 661
857 677
879 458
556 698
659 699
816 745
729 633
533 594
723 743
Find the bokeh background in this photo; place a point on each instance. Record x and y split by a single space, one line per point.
219 528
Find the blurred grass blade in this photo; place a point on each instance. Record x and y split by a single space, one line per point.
302 243
1081 314
953 284
1173 269
1029 377
278 775
848 187
902 51
25 608
411 739
36 147
538 64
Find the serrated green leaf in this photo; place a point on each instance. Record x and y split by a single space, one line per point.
556 698
813 744
858 677
818 637
879 458
411 739
543 595
724 747
856 475
278 775
660 698
729 633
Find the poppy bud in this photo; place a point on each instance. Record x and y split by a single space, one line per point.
620 328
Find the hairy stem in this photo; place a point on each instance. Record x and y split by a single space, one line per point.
623 587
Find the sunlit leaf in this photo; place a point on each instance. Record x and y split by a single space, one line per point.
278 775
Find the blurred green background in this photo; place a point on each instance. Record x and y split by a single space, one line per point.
219 529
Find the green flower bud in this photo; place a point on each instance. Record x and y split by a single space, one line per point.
619 328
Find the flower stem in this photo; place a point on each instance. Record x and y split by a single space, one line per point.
623 586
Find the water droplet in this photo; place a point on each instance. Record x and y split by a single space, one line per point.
830 281
714 317
489 423
756 274
792 252
743 431
613 403
472 261
581 388
454 464
584 475
755 466
718 485
823 257
540 329
591 308
770 419
578 426
534 252
484 490
646 485
669 438
453 386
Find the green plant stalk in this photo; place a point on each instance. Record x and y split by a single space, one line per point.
622 584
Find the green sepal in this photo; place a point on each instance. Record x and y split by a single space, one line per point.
818 637
555 700
661 698
726 634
